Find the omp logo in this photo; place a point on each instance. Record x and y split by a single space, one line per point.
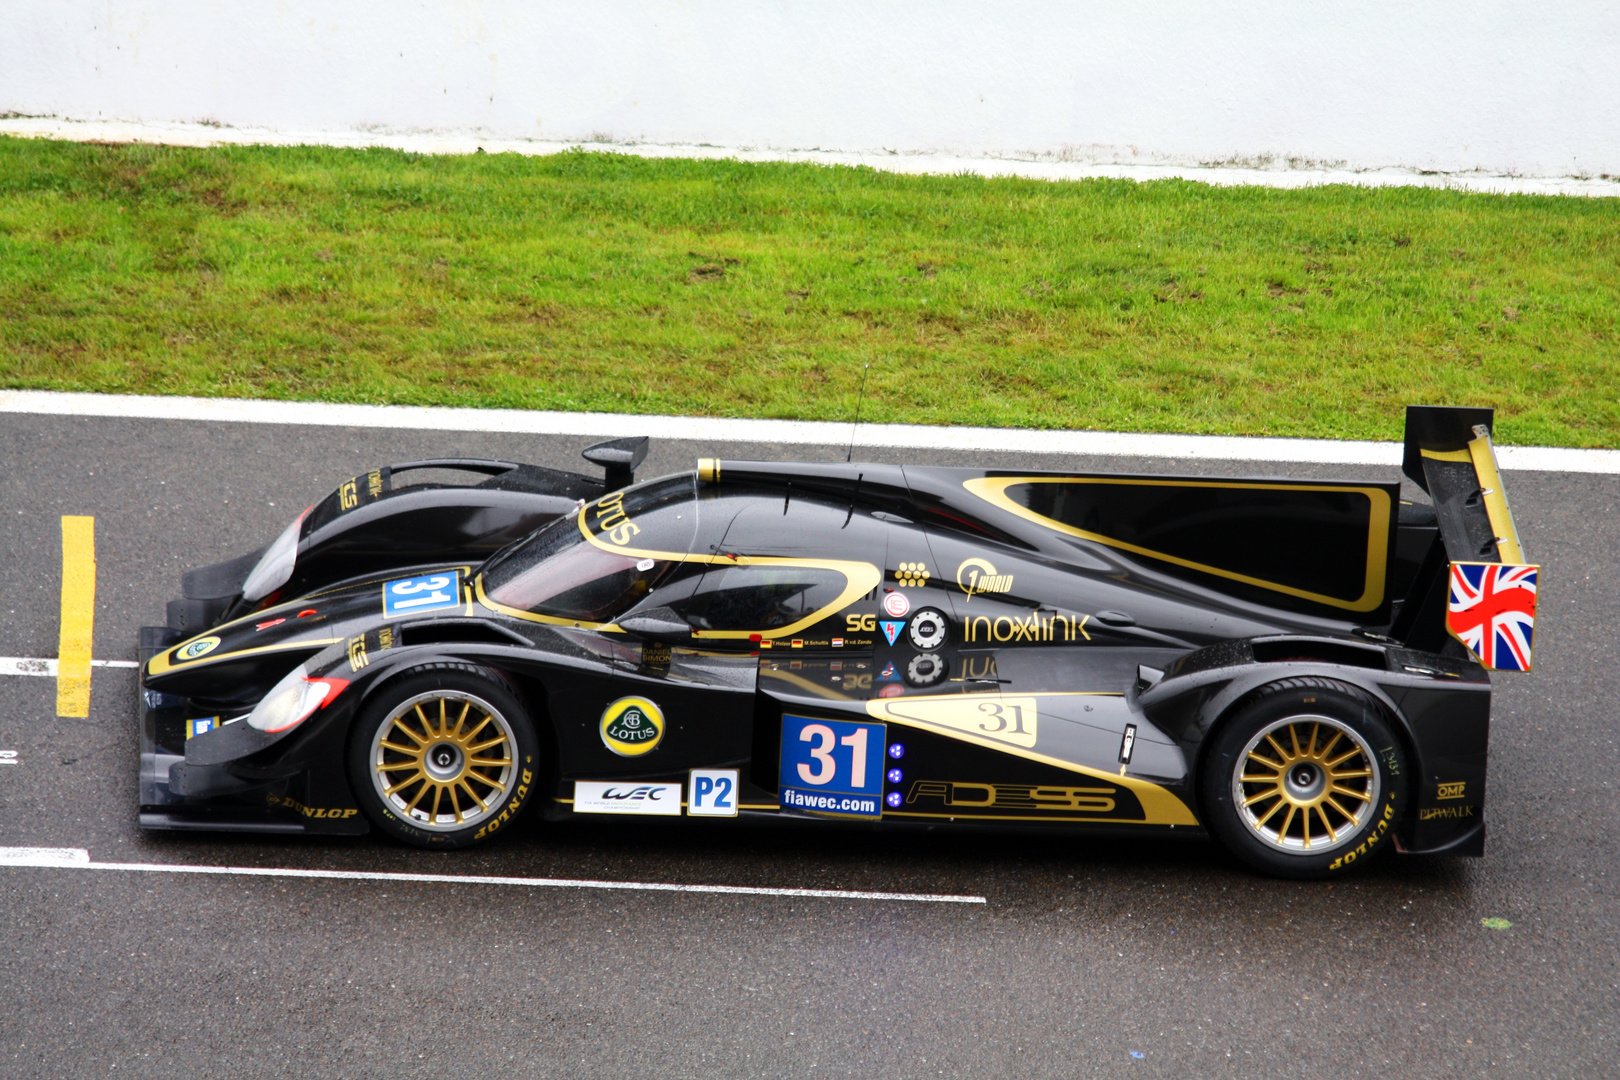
611 520
976 576
1452 791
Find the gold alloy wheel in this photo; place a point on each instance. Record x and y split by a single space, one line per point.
1306 784
443 760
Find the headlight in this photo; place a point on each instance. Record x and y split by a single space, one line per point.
277 565
292 699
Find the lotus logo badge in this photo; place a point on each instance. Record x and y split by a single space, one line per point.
632 726
193 649
977 576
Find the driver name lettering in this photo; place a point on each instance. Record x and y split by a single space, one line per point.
612 521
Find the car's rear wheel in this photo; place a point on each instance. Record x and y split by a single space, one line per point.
443 756
1305 780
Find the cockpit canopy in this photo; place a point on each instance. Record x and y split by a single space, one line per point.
732 562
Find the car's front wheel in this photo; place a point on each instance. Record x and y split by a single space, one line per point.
1306 780
443 756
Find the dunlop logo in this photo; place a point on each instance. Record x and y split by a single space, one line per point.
977 576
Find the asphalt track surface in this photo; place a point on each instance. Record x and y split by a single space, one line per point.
1089 958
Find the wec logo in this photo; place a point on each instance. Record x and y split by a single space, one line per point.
640 793
608 797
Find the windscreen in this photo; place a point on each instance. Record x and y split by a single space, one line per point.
637 536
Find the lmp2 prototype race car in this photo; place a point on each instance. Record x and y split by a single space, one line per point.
1297 667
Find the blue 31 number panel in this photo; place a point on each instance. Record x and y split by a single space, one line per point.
832 767
411 596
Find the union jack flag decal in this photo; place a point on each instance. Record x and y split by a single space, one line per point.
1492 610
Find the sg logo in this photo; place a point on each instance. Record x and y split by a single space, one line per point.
860 624
712 793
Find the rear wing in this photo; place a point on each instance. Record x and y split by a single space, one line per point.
1487 594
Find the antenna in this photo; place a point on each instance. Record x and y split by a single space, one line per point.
859 400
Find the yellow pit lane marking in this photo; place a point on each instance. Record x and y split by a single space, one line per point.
78 616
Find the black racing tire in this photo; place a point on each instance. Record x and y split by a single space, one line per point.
444 756
1306 778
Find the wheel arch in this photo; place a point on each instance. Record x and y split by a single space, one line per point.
1224 706
530 687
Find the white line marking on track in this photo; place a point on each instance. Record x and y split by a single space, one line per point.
30 665
800 432
79 859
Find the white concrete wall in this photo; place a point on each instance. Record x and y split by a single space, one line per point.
1450 85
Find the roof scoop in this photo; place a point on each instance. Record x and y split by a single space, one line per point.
619 458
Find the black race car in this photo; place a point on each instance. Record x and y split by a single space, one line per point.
1281 663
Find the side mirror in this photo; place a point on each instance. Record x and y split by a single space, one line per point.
658 624
619 458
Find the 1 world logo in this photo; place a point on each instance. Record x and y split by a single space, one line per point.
978 576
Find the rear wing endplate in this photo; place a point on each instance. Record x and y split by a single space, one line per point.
1491 601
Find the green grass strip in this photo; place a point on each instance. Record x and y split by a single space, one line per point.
607 282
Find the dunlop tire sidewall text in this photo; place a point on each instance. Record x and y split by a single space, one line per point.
1306 695
483 682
